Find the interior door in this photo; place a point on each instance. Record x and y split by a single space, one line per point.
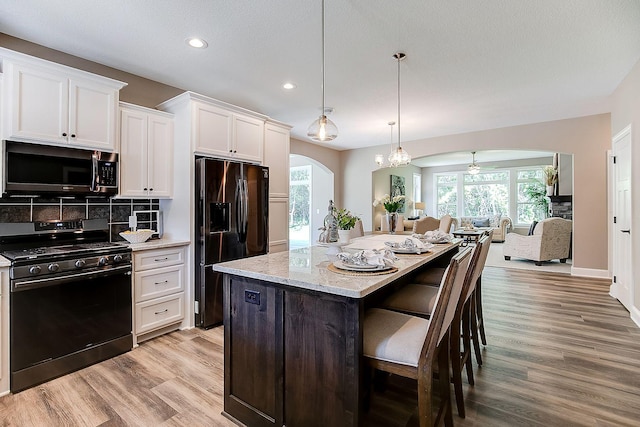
622 257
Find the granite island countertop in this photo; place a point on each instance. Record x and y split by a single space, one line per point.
307 268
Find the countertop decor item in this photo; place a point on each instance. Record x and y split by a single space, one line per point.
138 236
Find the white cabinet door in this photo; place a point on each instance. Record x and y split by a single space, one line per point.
248 137
50 106
212 130
133 153
38 107
160 156
92 121
276 157
146 152
278 225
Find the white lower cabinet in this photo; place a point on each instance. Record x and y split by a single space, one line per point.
158 291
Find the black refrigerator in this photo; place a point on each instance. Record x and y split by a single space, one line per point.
232 217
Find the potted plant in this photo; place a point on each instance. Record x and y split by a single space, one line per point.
346 221
550 178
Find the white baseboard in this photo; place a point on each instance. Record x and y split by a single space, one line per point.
590 272
635 316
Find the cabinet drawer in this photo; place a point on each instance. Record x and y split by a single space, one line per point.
158 282
157 258
159 312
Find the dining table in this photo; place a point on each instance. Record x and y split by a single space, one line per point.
293 329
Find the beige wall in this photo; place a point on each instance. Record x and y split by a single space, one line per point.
329 158
381 185
626 110
587 138
139 91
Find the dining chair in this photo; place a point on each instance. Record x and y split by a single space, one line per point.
445 223
428 223
416 348
418 299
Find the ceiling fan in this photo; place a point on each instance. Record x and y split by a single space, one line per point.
474 168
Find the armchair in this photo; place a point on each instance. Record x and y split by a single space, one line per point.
551 239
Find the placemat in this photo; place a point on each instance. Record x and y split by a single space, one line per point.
335 269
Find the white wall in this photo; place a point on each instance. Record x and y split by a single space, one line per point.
626 110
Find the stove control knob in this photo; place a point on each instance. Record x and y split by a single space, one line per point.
35 269
79 263
117 258
103 261
53 267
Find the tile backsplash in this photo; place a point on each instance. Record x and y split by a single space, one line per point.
116 211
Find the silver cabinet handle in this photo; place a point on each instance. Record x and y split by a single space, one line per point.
163 311
160 283
161 259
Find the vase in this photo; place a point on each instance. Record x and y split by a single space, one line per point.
550 189
392 219
344 237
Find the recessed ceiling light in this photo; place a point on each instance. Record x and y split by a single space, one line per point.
196 42
289 86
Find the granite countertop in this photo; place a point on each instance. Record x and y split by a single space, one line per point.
157 244
306 268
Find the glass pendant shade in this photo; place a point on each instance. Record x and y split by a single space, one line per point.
399 157
473 169
379 160
322 130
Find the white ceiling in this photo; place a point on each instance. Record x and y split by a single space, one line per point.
471 65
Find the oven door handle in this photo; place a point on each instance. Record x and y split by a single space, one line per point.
25 285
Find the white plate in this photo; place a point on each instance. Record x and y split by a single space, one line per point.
352 267
409 250
445 240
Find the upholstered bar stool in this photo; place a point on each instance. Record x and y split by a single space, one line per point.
418 299
411 346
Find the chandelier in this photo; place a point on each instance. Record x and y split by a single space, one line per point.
322 129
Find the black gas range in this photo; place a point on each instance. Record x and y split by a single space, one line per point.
70 299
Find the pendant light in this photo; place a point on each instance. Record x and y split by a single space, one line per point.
399 157
379 157
323 129
473 168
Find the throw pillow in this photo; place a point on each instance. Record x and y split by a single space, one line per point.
483 222
533 226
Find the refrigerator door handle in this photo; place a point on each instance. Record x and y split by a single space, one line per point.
243 210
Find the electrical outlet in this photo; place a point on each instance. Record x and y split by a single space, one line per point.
252 297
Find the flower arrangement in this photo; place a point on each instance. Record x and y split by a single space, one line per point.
550 175
391 204
346 220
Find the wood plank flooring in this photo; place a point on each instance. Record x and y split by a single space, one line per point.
560 352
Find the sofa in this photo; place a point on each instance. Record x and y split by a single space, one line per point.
498 223
550 239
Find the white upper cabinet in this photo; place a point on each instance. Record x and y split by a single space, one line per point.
51 103
276 156
221 133
146 152
219 129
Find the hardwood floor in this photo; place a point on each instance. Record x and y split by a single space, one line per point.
560 352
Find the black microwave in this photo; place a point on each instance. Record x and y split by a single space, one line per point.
40 170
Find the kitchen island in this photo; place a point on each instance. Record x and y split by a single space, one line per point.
293 333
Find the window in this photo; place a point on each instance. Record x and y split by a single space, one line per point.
447 194
517 192
299 196
486 193
532 203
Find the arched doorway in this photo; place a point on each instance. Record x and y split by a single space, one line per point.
311 186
